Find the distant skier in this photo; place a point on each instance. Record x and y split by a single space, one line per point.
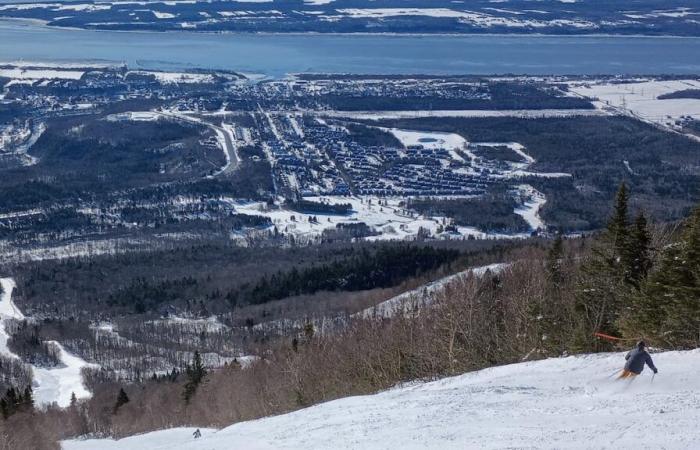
636 359
197 434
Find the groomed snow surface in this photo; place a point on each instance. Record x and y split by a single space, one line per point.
562 403
8 310
51 385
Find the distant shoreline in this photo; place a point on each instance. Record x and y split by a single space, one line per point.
46 24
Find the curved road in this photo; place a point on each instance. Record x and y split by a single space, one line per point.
225 136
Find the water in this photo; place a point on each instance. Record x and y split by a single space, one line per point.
276 55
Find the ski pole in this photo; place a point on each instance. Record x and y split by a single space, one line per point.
614 373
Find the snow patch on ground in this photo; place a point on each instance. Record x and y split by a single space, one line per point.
571 402
394 12
164 15
136 116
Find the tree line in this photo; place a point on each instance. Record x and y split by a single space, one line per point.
635 279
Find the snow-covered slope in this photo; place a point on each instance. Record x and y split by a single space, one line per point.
572 402
8 311
51 385
423 295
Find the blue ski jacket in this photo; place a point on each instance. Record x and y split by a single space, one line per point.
636 359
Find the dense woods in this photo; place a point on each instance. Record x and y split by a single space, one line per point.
367 269
490 213
496 95
633 280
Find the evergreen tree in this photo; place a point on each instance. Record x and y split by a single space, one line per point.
122 399
10 403
638 254
601 289
195 374
28 399
73 400
619 222
547 313
667 310
554 260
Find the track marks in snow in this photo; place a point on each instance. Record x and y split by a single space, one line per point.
555 403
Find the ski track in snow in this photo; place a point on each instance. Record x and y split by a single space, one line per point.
56 384
51 385
559 403
8 310
530 209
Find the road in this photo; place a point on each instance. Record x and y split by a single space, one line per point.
225 135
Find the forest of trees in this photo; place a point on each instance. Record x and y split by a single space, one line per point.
495 95
685 93
312 207
635 279
386 266
492 212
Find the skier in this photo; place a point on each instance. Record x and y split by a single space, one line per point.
636 359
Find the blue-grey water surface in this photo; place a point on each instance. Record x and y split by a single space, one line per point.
276 55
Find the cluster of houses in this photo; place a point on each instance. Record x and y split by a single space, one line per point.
328 161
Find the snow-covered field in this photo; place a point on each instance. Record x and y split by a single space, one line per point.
177 77
388 217
385 215
430 140
470 17
559 403
136 116
640 98
34 74
51 385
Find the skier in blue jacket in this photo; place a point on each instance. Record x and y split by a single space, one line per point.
636 359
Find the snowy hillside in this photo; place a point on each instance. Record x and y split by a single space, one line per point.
53 384
572 402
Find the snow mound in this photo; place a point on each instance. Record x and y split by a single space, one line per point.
572 402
